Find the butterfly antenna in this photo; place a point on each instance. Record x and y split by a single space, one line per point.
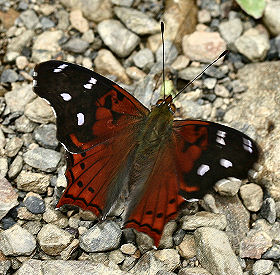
163 73
200 74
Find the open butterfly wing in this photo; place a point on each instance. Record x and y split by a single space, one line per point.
160 201
96 177
198 154
207 152
89 107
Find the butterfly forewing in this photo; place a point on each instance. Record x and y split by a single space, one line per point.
207 152
89 107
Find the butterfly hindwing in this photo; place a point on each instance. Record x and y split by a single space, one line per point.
191 161
207 152
159 202
89 107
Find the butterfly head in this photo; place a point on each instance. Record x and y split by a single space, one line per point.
167 102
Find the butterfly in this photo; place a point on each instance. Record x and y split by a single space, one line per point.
114 142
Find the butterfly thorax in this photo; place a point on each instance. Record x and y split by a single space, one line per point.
157 126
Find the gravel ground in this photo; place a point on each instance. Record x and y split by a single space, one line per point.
234 229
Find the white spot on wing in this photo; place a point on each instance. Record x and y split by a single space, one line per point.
66 96
88 86
63 66
34 82
221 133
92 80
35 73
220 140
60 68
247 145
225 163
202 169
81 119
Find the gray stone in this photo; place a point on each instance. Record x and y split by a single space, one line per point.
125 3
221 91
101 237
262 267
189 73
24 125
119 39
203 218
238 218
9 75
55 217
255 244
263 82
17 43
13 146
203 46
34 204
215 253
45 135
15 167
63 19
3 166
39 111
253 44
272 253
187 248
78 21
5 265
271 17
193 271
106 63
37 267
76 45
273 230
231 29
46 45
148 264
19 97
217 72
33 227
36 182
228 187
237 86
17 241
252 196
170 53
94 10
53 240
166 240
137 21
8 198
47 23
128 248
44 159
275 271
2 139
143 59
29 19
210 83
169 257
268 210
194 110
